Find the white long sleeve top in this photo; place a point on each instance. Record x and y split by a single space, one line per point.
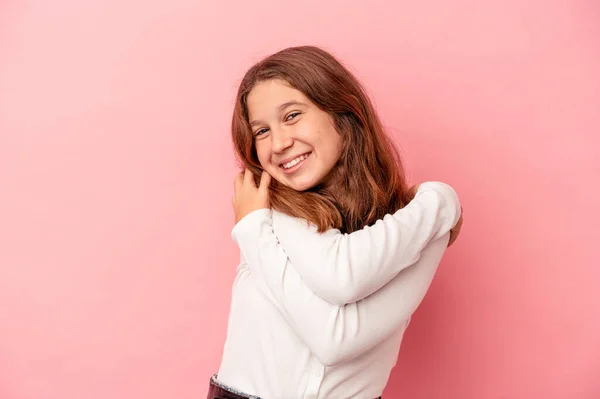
322 315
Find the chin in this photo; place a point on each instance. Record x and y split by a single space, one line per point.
298 183
303 185
299 187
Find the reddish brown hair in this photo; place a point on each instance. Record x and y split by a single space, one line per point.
368 181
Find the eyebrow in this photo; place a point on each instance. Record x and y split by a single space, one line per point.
280 109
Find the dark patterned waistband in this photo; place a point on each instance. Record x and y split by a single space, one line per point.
217 390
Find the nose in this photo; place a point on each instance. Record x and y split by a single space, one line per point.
281 140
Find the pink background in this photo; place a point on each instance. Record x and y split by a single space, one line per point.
116 175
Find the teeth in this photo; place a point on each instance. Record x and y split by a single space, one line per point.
295 161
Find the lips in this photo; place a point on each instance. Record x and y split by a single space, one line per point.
288 164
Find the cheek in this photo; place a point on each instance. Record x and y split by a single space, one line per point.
263 154
332 146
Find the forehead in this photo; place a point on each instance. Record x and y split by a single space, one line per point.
267 95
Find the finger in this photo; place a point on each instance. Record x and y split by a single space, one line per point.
248 178
265 180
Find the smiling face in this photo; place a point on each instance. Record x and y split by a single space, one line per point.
296 142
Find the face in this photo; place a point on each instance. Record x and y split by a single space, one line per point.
296 142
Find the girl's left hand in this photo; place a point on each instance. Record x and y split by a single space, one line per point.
247 197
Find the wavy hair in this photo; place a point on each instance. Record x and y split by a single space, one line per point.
367 182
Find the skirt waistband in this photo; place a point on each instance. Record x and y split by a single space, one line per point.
217 390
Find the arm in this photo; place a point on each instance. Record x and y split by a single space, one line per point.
333 333
344 268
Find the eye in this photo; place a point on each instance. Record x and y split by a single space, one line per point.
260 132
291 116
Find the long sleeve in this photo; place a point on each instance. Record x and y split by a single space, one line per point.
344 268
333 333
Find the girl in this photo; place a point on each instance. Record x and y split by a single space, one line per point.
336 253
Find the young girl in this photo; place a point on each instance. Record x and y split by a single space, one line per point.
336 252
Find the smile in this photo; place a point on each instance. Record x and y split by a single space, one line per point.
295 161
